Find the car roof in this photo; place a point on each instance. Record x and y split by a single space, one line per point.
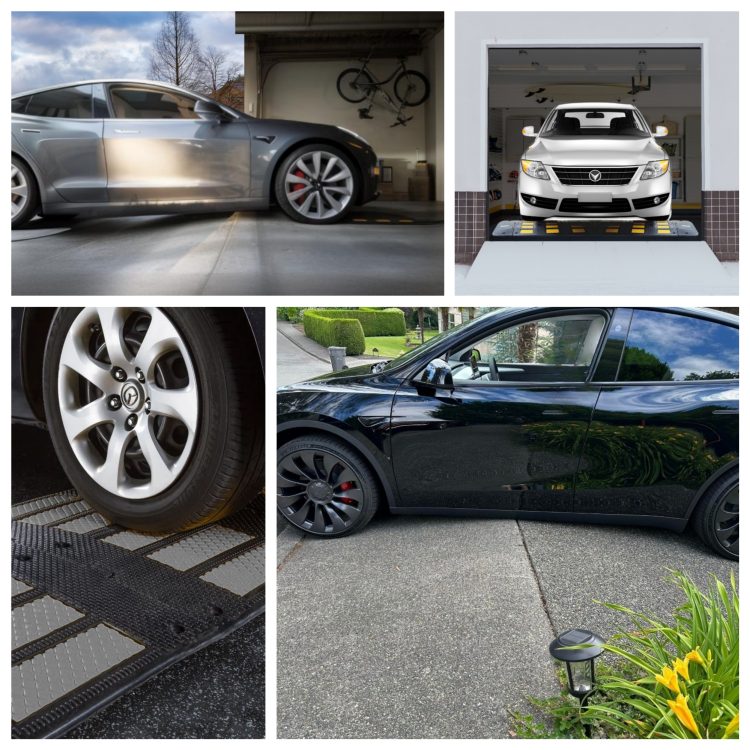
140 82
595 105
718 316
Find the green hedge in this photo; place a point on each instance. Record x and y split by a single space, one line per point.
334 331
386 322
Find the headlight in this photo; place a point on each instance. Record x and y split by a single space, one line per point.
655 169
352 133
534 169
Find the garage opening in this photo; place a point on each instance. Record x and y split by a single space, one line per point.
590 170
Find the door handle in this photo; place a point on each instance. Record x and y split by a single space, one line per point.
553 413
126 132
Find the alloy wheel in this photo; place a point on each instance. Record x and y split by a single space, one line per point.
318 491
727 520
128 399
19 191
319 185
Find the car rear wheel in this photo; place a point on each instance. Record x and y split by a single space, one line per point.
24 194
716 519
324 487
155 415
317 184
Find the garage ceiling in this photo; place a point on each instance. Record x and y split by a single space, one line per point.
583 65
334 35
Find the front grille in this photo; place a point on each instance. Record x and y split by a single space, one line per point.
618 205
540 202
649 202
580 175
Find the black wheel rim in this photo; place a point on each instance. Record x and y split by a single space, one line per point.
727 521
318 491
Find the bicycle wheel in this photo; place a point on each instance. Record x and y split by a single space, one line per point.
355 85
411 88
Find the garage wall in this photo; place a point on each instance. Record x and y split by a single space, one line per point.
307 91
434 121
717 32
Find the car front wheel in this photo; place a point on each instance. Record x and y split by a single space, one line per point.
324 487
155 415
317 184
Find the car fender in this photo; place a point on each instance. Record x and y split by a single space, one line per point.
726 469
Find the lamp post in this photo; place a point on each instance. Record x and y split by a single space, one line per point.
578 649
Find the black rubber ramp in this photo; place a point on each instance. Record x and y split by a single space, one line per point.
98 609
585 229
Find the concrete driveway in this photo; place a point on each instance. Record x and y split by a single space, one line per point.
383 248
435 627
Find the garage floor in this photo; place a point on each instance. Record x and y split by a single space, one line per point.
383 248
623 267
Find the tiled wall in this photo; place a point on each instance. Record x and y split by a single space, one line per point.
471 224
721 222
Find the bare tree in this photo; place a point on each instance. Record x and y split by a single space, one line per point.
221 79
176 55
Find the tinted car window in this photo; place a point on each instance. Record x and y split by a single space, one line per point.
74 101
555 348
19 105
669 347
99 101
147 104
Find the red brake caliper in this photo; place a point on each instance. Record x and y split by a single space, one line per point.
299 185
346 486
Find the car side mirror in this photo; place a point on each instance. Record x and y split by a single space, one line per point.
528 131
661 131
210 111
437 375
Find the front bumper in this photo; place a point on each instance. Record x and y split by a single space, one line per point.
636 199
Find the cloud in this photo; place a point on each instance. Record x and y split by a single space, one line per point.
51 48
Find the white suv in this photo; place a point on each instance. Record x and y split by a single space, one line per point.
595 160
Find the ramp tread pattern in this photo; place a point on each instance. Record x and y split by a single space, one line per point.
586 229
153 612
38 618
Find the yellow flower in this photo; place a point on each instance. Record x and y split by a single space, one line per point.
732 727
668 678
694 655
682 712
681 667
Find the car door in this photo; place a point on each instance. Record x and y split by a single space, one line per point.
667 422
60 130
159 151
508 436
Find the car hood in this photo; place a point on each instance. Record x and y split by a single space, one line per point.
595 152
351 374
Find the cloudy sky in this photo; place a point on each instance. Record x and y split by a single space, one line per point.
50 48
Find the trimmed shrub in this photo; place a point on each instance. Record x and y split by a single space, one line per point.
334 331
292 314
375 322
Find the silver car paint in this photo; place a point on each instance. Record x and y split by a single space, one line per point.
116 166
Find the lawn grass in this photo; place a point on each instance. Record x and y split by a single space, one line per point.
392 346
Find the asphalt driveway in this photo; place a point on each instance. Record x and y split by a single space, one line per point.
383 248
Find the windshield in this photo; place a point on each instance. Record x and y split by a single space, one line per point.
587 123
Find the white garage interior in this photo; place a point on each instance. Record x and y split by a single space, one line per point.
526 83
292 63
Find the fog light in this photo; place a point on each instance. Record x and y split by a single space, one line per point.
532 200
657 200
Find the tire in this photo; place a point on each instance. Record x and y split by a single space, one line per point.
204 456
325 466
307 193
411 88
24 193
716 518
354 85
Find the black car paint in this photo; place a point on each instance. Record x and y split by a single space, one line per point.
29 329
447 452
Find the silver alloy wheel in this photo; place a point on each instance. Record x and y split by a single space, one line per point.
115 402
19 191
319 185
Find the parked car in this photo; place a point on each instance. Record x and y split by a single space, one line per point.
156 415
599 415
122 147
595 160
